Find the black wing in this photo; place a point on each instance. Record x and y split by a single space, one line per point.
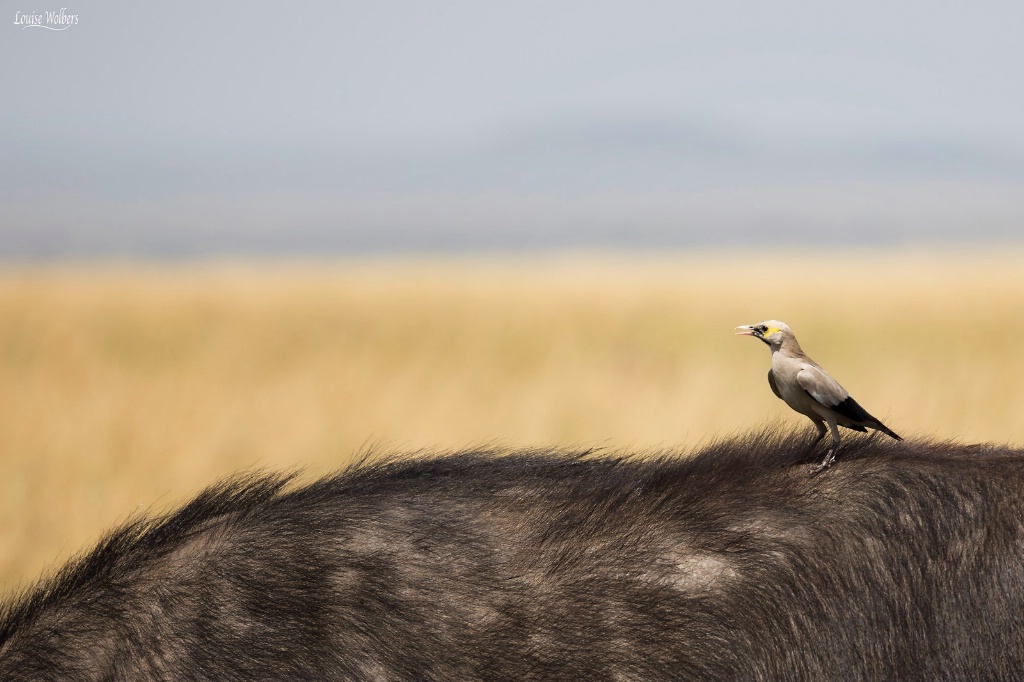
852 410
775 389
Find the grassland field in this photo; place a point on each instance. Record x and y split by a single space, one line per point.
127 388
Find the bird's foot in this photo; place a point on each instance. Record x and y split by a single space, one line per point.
825 463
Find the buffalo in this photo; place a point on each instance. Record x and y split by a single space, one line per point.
904 562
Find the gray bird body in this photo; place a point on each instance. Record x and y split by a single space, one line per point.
810 390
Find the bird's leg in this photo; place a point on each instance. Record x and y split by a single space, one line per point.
821 432
830 456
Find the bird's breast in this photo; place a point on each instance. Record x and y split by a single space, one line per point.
790 389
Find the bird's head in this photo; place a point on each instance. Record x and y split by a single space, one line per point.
772 332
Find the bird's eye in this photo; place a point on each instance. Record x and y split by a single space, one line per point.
761 328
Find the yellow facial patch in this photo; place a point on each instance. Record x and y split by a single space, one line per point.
770 331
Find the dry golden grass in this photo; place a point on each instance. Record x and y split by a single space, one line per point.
125 387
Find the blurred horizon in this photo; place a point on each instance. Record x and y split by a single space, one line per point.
319 128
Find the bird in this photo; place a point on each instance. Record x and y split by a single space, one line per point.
809 389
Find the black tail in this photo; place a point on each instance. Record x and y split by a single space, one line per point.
852 410
886 430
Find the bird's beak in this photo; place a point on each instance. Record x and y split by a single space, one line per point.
747 330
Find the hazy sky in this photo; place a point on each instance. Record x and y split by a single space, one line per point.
181 128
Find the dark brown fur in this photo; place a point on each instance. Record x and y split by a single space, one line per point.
906 561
